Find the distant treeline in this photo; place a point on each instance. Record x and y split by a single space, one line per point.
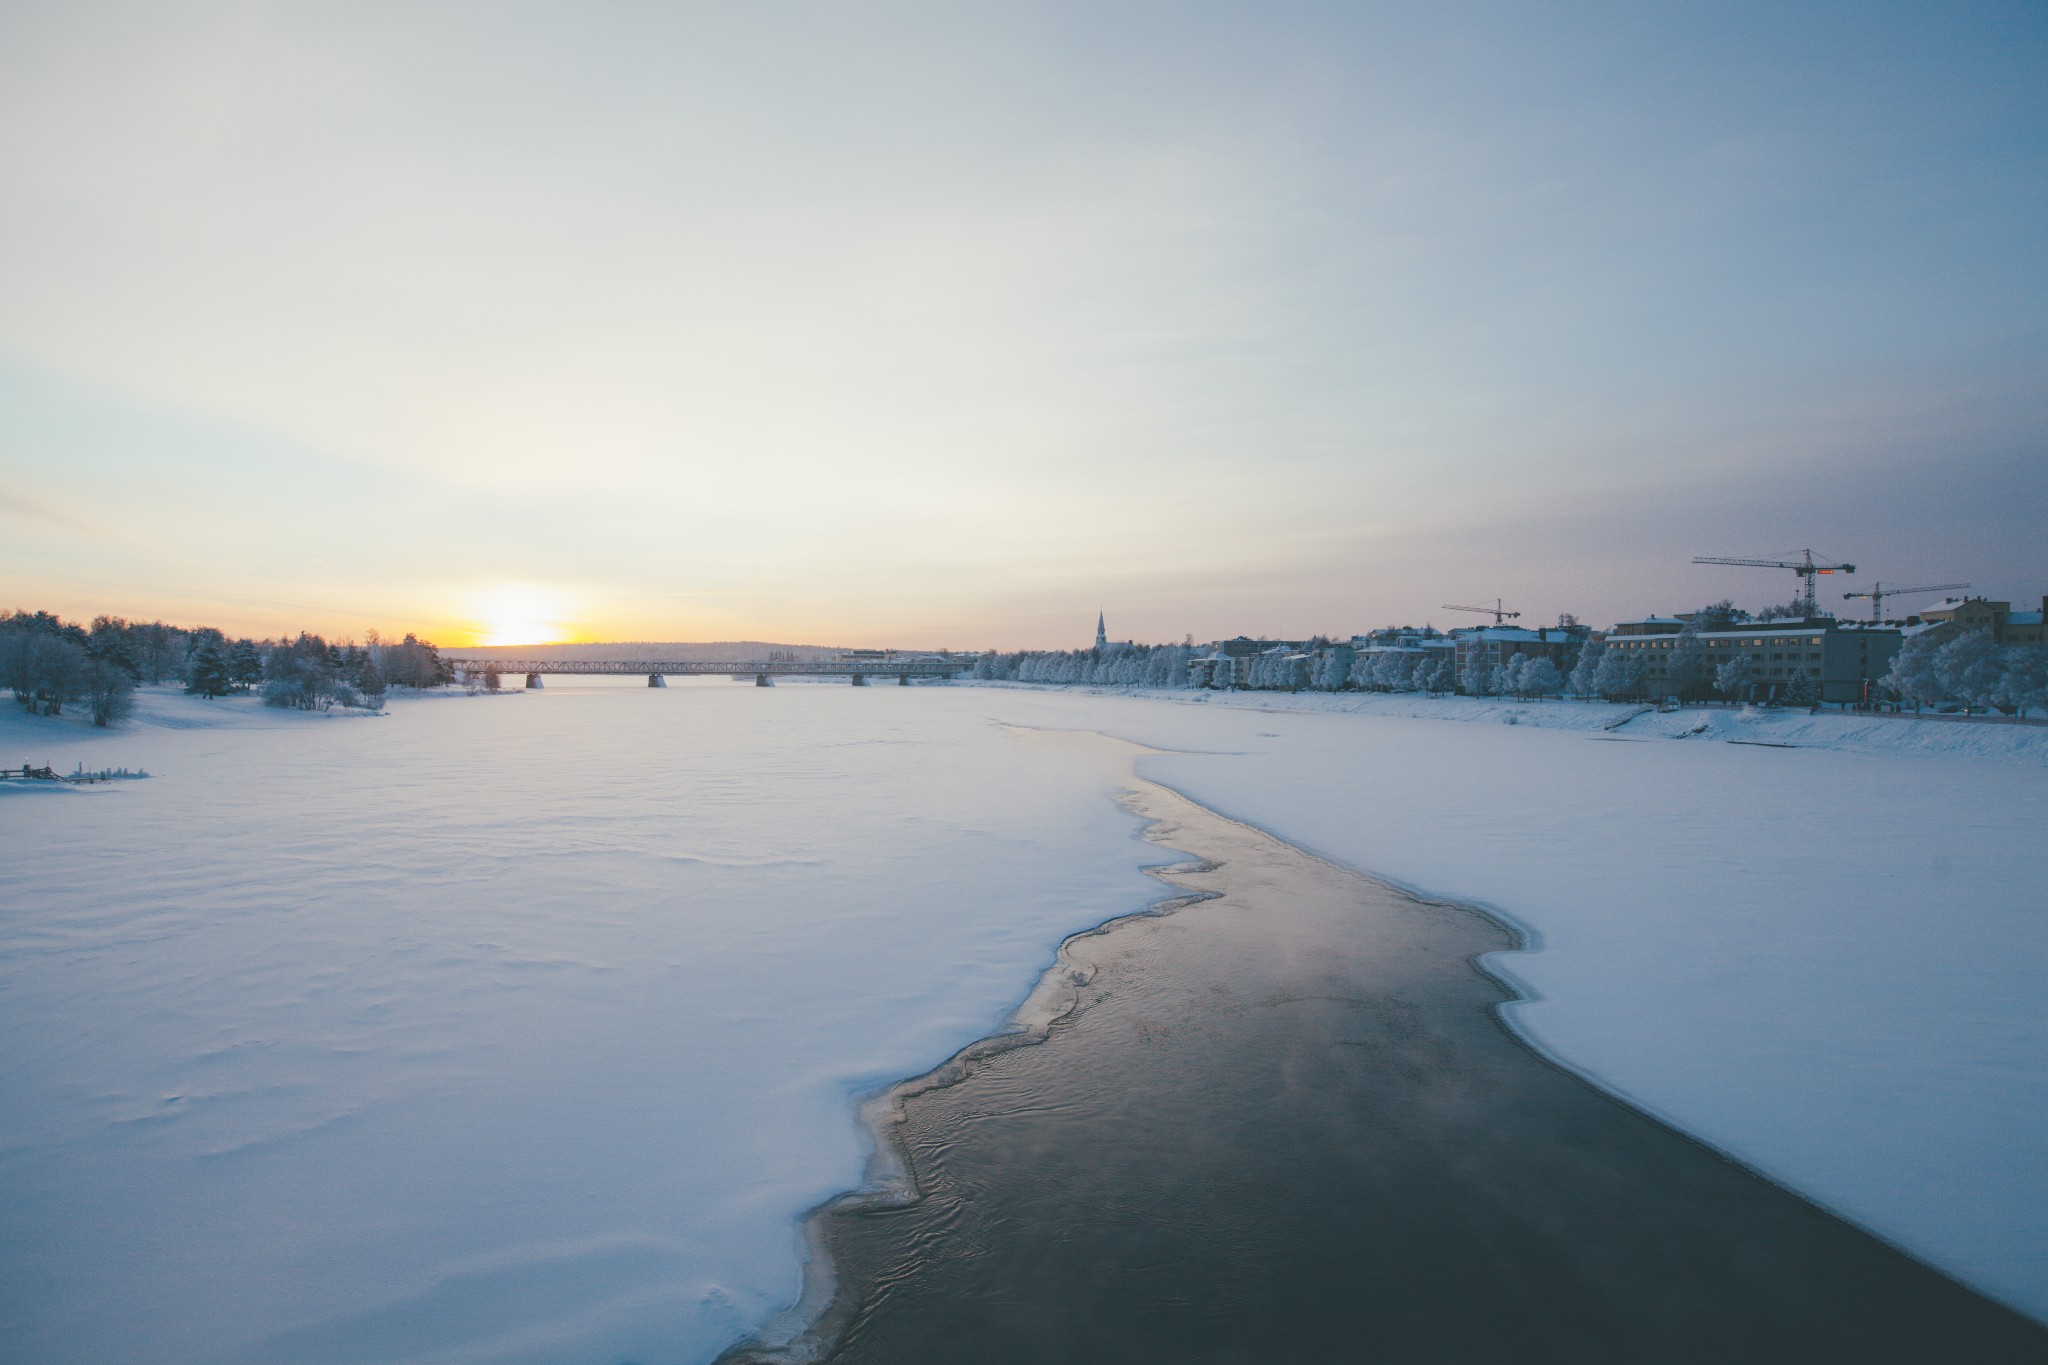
1116 666
50 663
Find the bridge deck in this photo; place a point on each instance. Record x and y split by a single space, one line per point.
878 668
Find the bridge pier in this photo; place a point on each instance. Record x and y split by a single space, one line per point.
491 681
903 680
860 680
533 680
656 680
763 680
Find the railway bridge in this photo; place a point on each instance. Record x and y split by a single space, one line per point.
657 671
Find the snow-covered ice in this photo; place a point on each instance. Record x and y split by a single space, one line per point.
524 1028
515 1028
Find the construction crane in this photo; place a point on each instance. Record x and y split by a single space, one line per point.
1878 592
1807 567
1496 611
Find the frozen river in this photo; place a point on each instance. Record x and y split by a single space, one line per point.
524 1028
511 1029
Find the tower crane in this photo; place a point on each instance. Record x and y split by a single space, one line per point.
1807 567
1496 611
1878 592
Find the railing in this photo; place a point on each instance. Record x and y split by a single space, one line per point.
890 668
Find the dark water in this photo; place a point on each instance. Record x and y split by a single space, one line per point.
1284 1125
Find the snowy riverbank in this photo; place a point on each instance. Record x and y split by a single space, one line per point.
1841 731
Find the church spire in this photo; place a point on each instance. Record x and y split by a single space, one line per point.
1101 631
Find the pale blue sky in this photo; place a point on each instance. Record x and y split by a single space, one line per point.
936 324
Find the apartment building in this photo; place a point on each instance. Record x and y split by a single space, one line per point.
1961 615
1844 659
1498 644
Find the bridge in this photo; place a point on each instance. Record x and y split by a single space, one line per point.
859 668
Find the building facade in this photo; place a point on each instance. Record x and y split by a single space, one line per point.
1843 660
1961 615
1496 645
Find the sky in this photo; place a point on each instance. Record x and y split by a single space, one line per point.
941 325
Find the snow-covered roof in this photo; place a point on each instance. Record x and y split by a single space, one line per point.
1738 631
1499 633
2023 618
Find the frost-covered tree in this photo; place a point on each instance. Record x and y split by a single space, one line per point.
1969 668
157 649
1799 690
1498 681
1540 678
1719 615
1477 677
1610 676
1690 670
1586 670
363 676
1911 679
1635 677
1333 672
301 675
109 688
60 664
1736 679
1288 672
1511 675
108 640
2024 684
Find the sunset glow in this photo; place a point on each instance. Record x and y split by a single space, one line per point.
520 615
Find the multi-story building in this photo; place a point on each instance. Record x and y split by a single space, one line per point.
1398 637
1843 659
1961 615
1498 644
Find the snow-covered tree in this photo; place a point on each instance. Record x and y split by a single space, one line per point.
1587 669
157 649
245 664
1736 679
1477 678
302 674
1620 674
1911 679
1969 668
1799 690
206 671
1719 615
1690 670
1635 676
1540 678
1333 673
109 688
1511 675
2024 684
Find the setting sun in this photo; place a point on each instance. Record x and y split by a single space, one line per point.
520 615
